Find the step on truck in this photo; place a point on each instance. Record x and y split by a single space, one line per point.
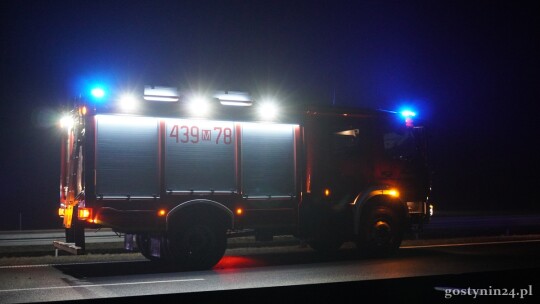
178 174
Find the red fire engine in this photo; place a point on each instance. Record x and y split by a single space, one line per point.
178 174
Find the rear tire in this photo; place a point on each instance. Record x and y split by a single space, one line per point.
197 242
381 232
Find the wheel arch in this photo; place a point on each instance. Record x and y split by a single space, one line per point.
377 196
202 205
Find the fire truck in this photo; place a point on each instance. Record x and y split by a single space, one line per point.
177 174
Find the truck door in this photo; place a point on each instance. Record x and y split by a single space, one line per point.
340 155
403 161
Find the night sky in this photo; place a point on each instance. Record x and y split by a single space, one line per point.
470 69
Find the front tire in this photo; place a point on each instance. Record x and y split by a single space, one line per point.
381 232
197 242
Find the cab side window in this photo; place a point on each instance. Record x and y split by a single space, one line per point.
399 143
346 142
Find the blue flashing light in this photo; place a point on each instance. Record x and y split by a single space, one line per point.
98 93
408 113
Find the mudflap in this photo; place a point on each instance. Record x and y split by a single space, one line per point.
155 247
129 242
151 246
75 235
75 239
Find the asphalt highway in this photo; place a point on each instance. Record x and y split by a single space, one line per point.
270 273
453 259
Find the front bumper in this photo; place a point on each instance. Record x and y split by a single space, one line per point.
420 212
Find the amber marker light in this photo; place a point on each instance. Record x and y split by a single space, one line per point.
84 213
327 192
393 192
162 212
239 211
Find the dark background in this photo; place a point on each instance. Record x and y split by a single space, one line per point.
470 69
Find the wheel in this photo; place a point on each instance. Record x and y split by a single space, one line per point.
197 242
144 245
381 232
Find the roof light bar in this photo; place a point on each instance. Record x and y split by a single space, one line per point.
167 94
234 98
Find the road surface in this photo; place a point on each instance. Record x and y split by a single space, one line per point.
295 273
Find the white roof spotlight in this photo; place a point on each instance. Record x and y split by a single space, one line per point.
268 109
67 122
199 106
128 102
